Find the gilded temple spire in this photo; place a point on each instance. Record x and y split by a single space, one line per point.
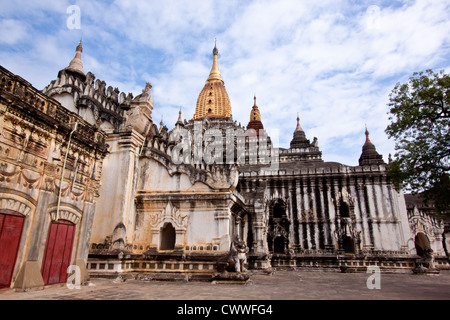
213 100
215 75
255 115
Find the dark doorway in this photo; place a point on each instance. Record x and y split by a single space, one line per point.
348 245
278 245
167 237
278 211
422 244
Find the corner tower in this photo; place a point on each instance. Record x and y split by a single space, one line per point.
213 100
369 153
255 118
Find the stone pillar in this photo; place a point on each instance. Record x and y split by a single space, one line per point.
307 230
180 239
327 240
259 227
366 233
299 214
373 214
331 215
115 205
314 215
222 217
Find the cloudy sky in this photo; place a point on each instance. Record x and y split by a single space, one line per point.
334 62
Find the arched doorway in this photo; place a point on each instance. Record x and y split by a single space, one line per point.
11 227
348 244
422 244
278 245
58 252
167 237
278 229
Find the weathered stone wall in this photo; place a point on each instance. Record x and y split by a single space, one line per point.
34 135
315 200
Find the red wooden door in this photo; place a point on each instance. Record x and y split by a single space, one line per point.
11 226
58 252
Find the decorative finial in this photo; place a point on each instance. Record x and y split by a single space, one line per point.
76 64
179 116
367 136
215 50
80 47
299 128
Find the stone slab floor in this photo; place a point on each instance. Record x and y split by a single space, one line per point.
281 285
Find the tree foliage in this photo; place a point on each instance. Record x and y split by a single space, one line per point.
420 116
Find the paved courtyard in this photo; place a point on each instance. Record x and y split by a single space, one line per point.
281 285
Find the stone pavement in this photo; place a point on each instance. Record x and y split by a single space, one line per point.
281 285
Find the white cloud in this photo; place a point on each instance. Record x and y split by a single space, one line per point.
12 31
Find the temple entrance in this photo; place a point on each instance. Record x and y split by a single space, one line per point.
422 243
348 245
278 245
167 237
58 252
278 231
11 226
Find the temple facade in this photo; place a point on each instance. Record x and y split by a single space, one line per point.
131 197
50 169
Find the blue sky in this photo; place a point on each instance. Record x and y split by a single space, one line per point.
333 61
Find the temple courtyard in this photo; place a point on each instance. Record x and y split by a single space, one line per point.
279 285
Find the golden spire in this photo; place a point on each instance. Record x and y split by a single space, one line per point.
214 75
213 100
255 115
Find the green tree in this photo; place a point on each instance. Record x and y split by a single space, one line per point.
419 114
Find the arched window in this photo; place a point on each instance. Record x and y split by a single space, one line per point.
167 237
344 210
278 210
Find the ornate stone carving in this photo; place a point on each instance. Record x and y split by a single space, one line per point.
13 203
169 214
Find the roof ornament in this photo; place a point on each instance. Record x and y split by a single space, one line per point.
215 50
298 128
367 136
76 64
